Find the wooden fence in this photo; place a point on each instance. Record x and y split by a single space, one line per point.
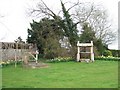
14 51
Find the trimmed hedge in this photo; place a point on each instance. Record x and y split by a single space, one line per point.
115 53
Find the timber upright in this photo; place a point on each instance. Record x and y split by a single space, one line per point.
85 52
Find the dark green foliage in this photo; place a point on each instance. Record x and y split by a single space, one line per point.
46 35
34 37
70 30
119 53
115 53
107 53
87 34
99 45
51 48
69 27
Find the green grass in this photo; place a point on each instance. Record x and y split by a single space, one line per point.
100 74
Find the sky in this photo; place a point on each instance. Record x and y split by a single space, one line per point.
16 21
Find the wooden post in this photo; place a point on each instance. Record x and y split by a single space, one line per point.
25 59
25 55
1 53
36 58
78 53
92 54
15 57
16 54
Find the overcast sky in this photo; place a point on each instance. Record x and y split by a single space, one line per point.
16 21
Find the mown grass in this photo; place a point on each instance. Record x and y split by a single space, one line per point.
100 74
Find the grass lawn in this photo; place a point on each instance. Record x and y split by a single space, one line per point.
100 74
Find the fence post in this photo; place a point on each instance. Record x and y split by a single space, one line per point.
16 54
36 56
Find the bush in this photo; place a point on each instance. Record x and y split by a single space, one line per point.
115 53
107 53
40 55
49 55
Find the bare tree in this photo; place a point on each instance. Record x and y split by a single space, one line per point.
42 10
97 18
93 14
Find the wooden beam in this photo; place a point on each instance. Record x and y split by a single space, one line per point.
90 45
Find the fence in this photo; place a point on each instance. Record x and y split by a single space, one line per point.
11 54
14 51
